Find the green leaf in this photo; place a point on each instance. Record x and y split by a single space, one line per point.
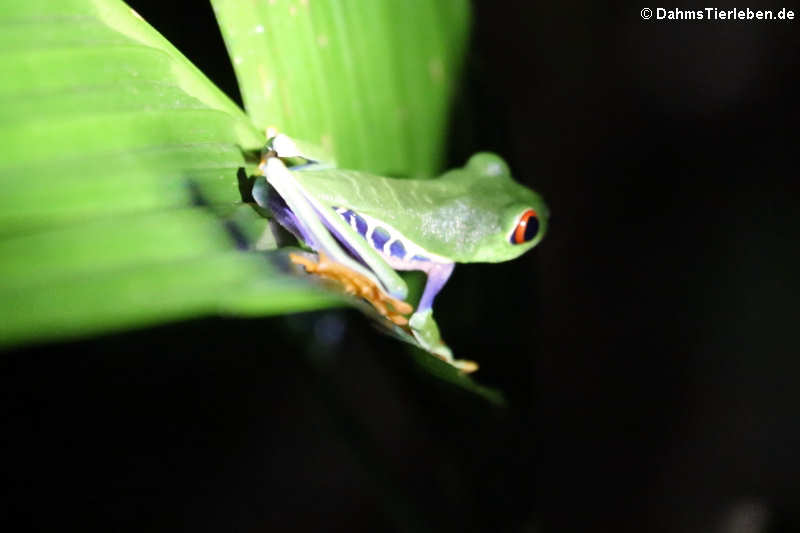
369 80
118 166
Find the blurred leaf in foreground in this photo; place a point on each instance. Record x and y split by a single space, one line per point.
107 135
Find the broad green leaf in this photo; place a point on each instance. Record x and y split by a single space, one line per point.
101 115
369 80
118 171
108 283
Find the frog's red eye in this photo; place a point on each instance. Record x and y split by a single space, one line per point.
527 228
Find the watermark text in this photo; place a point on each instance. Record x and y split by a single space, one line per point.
714 14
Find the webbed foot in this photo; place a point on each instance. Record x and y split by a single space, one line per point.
358 285
421 324
426 331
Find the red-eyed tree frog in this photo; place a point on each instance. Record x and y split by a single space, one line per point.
367 227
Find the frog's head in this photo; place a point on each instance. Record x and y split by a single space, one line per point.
522 214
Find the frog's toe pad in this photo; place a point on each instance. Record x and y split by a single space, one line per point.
358 285
443 352
465 366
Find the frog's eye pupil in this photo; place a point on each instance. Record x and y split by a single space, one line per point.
527 228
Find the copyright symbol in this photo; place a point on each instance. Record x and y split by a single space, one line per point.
647 13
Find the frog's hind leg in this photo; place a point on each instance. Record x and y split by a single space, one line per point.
299 213
352 281
267 198
339 260
357 285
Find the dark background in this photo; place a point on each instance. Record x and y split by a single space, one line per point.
648 347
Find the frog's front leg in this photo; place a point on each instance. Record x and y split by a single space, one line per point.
424 327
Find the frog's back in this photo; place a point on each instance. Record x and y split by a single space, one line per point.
375 195
443 216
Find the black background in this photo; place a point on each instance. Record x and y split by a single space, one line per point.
648 347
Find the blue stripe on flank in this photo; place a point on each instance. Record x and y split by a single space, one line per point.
419 258
361 225
379 237
397 249
349 216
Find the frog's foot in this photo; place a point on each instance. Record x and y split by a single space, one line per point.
425 330
356 284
